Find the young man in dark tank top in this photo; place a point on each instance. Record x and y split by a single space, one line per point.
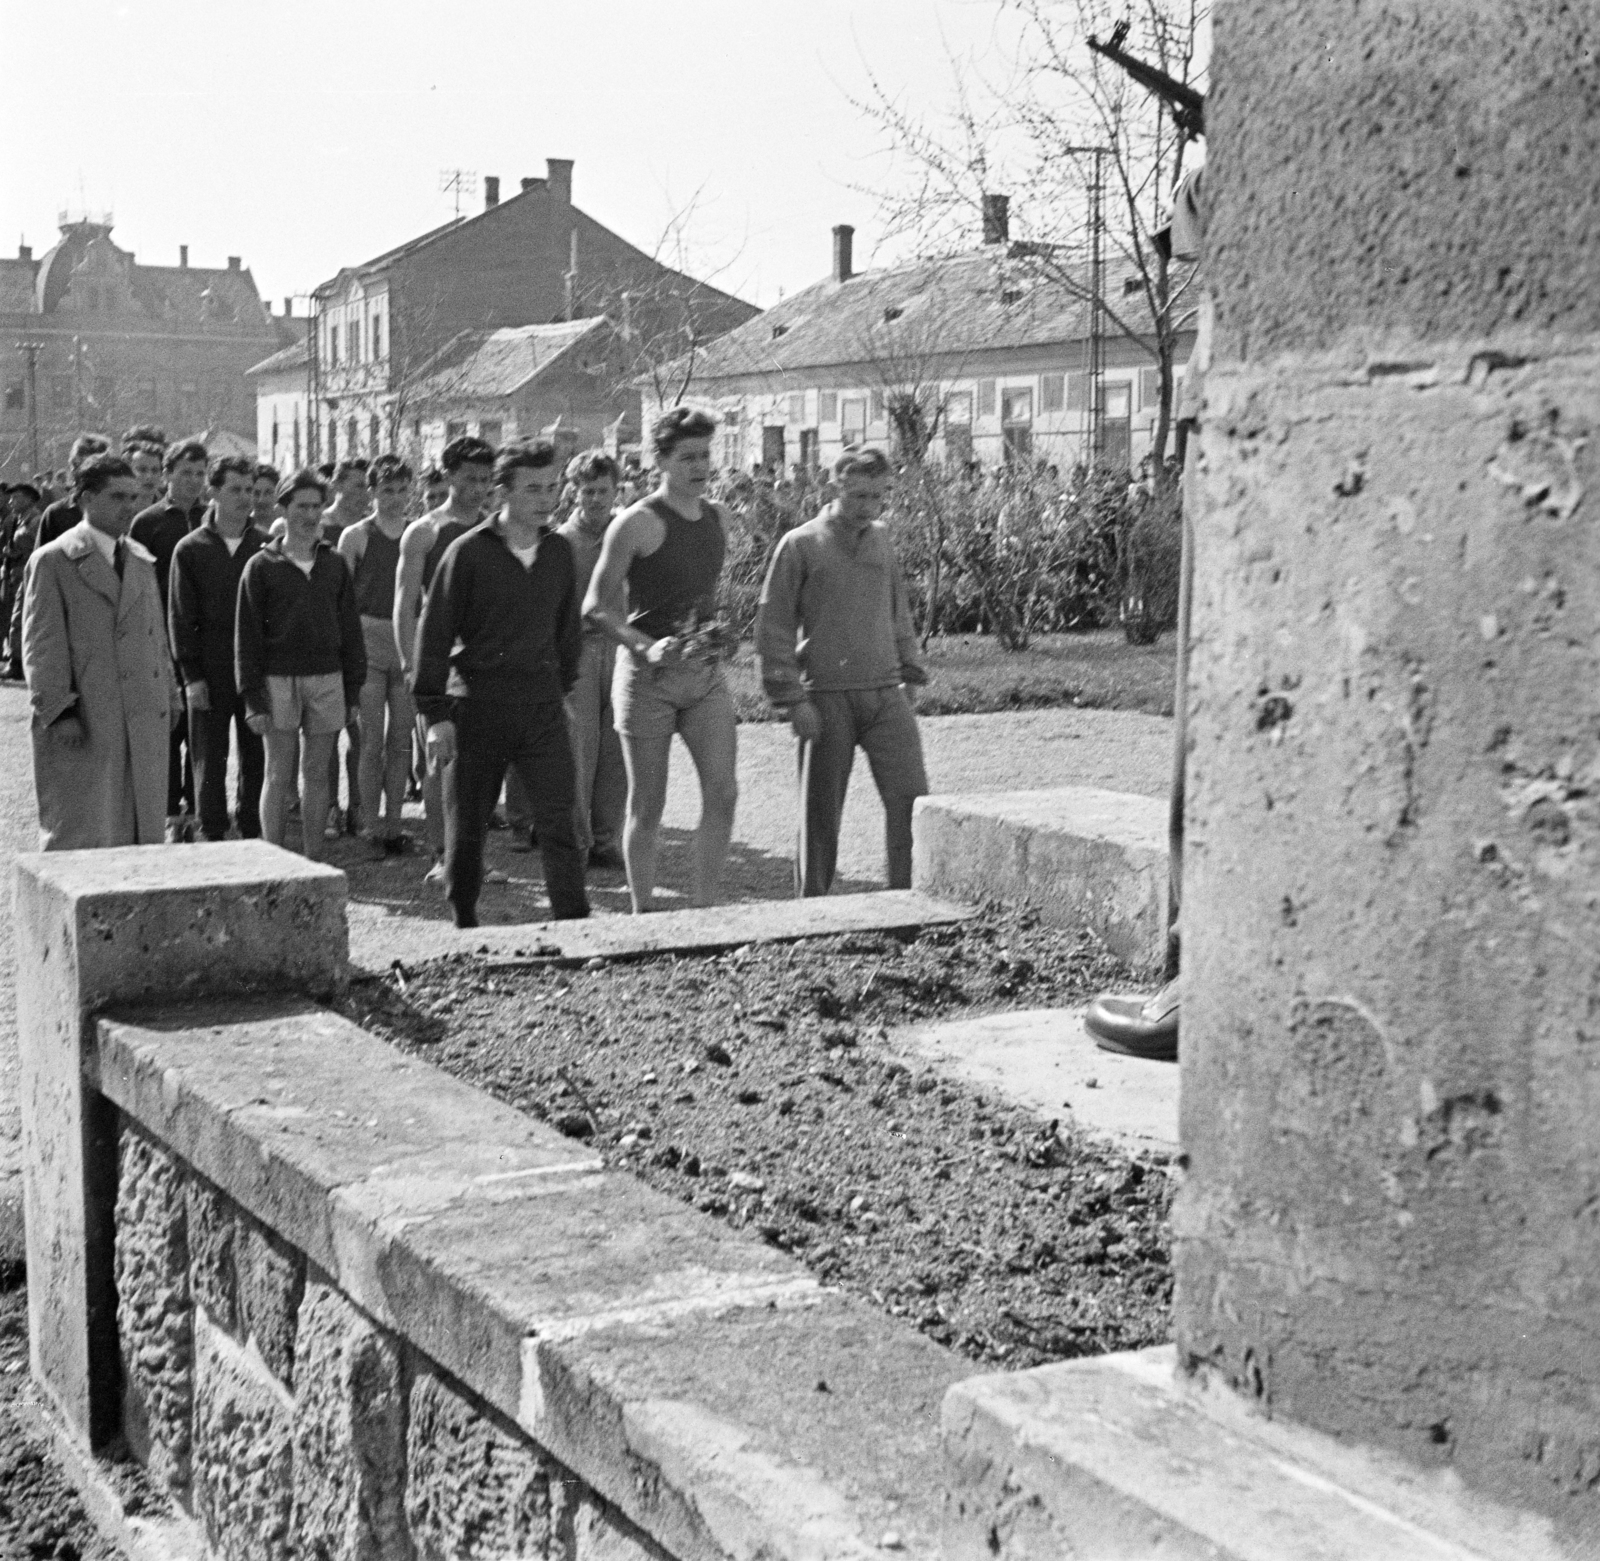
371 547
654 591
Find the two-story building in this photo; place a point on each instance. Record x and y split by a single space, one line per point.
93 340
986 356
532 259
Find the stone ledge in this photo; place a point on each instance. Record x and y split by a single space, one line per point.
618 1327
1115 1458
1081 856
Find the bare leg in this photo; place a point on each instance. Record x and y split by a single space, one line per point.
315 751
711 736
277 785
646 760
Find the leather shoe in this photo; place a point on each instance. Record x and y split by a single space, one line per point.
1137 1027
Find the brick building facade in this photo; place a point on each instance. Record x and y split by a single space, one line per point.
91 339
532 259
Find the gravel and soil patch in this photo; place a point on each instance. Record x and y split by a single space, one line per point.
758 1087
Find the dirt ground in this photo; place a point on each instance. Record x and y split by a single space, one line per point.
756 1086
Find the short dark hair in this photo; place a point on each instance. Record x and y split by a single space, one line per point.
28 488
672 428
133 447
536 455
144 433
592 465
84 447
351 463
186 450
325 471
388 468
431 477
230 465
295 482
95 471
856 461
270 473
468 450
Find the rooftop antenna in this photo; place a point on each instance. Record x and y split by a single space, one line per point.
456 182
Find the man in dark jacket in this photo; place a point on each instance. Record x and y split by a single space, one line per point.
497 650
159 529
298 658
202 609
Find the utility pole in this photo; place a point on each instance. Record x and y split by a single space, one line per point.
1094 366
31 351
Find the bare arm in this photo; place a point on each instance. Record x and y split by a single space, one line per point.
415 545
633 534
352 547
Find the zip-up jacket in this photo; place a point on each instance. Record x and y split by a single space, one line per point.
496 630
292 624
203 605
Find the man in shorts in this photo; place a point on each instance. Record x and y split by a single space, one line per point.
298 657
371 548
349 490
654 592
468 467
497 649
597 750
837 650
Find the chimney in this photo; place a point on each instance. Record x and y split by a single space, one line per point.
528 184
183 257
24 252
288 308
233 262
491 192
559 172
996 219
843 245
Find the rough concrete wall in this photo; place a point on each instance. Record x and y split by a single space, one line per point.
1423 167
154 1318
290 1423
349 1435
1392 930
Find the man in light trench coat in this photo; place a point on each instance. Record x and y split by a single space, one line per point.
94 651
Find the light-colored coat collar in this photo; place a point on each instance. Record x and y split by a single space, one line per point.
77 543
95 571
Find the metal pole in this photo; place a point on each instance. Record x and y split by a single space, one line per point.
31 350
1094 343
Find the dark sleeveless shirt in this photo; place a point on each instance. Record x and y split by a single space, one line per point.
375 573
679 579
447 534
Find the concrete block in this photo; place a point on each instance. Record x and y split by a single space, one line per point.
600 1533
1114 1459
475 1487
94 927
349 1435
154 1314
213 1230
243 1463
272 1279
1082 857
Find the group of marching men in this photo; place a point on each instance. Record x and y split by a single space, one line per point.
506 643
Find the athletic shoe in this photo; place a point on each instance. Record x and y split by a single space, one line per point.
495 875
435 874
608 858
521 840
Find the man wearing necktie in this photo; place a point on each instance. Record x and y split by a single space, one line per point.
100 680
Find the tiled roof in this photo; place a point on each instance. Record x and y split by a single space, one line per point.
294 356
992 298
487 364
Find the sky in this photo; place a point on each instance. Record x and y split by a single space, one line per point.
308 136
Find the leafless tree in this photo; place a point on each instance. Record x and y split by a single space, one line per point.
1035 132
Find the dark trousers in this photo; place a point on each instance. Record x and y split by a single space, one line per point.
180 777
208 743
532 739
1180 712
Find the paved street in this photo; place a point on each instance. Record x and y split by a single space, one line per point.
1110 748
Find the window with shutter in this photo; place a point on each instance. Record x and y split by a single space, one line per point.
985 398
828 407
1052 392
1149 389
1077 392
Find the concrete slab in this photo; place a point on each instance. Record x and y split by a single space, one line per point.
374 944
1044 1059
1114 1458
1081 856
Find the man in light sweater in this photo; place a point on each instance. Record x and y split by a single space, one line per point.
837 647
